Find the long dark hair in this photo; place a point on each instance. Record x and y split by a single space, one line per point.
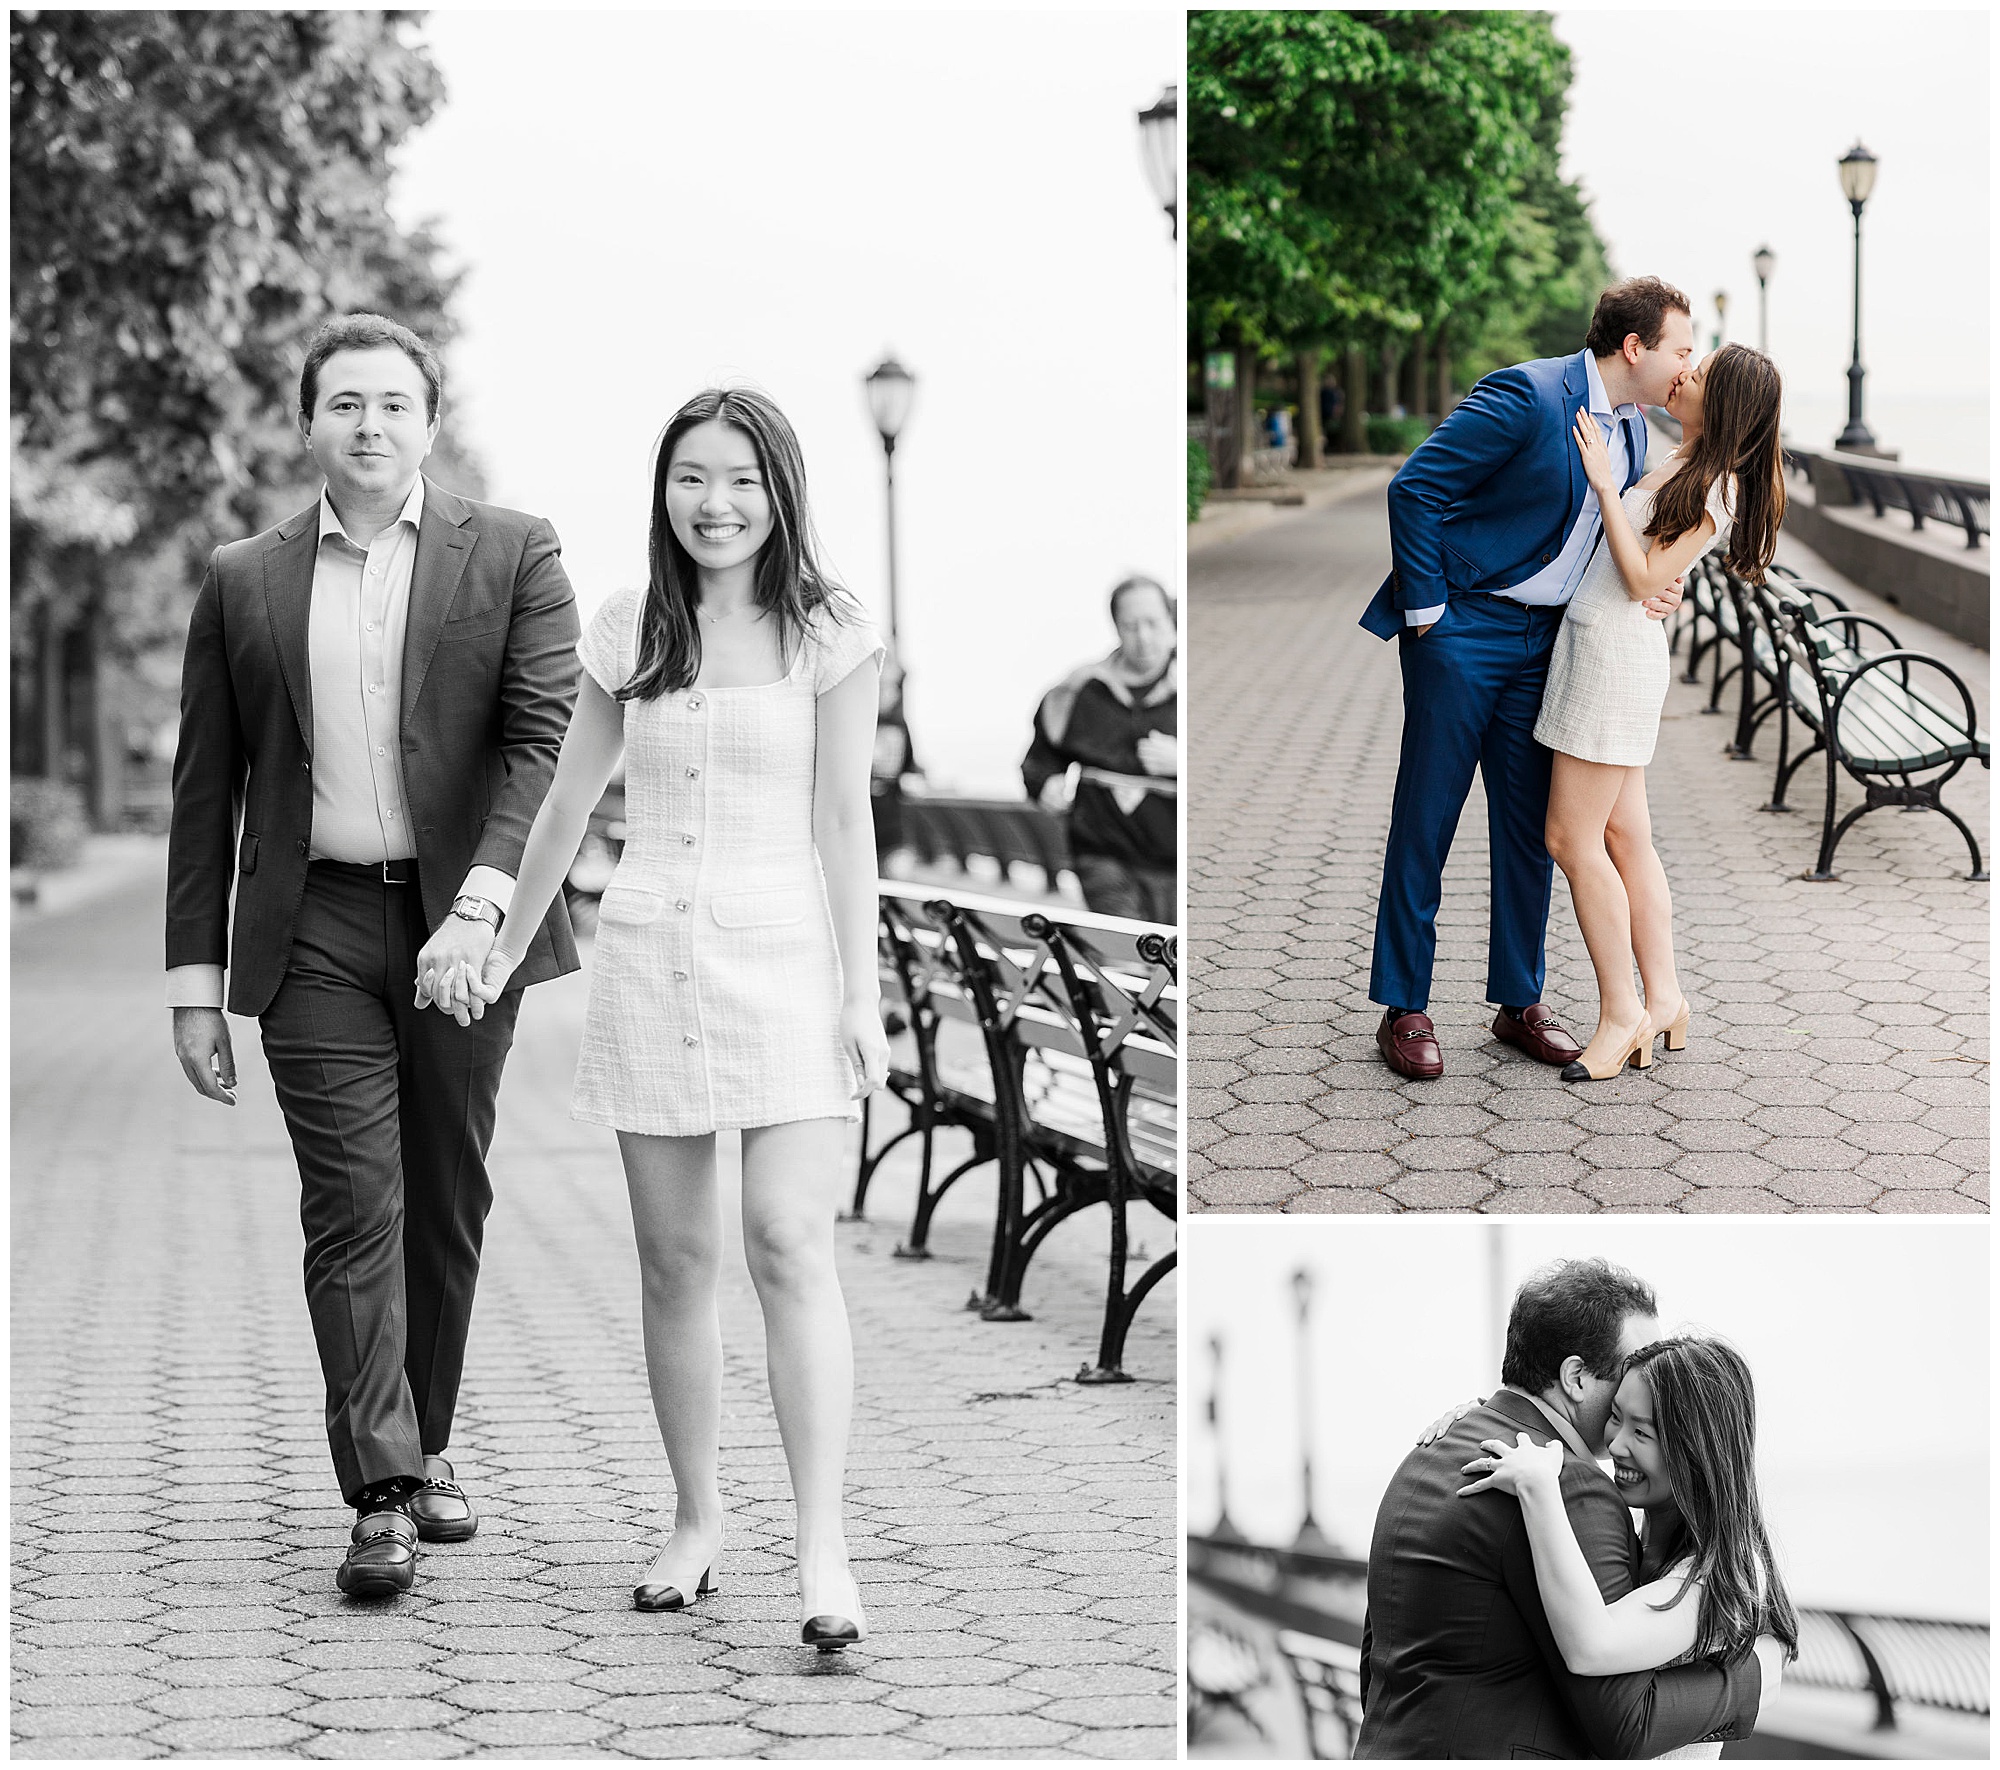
1705 1422
1742 400
791 586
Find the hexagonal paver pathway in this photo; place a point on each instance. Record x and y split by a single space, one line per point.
175 1529
1837 1060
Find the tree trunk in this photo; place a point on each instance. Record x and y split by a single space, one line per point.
1444 398
1246 414
49 649
1384 378
1354 419
1413 377
107 726
1221 407
1312 446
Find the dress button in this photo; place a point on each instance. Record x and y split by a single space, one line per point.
680 977
694 774
680 903
694 703
689 1039
687 841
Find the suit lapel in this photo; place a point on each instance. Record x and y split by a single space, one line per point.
443 547
1576 392
288 580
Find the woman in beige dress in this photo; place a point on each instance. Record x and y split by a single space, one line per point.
734 983
1683 1451
1723 486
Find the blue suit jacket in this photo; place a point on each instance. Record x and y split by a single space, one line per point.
1489 497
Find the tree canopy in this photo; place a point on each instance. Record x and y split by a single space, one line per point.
193 194
1354 175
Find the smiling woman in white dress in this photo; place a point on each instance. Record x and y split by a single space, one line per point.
1683 1444
1723 487
734 985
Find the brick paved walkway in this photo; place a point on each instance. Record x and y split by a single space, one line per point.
176 1532
1838 1054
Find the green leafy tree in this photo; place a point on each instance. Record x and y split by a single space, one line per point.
1360 177
193 194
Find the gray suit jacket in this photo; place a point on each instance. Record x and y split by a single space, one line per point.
489 680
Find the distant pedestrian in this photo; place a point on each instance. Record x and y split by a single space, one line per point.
1106 753
894 759
373 696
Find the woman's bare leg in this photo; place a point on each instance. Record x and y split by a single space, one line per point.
677 1218
791 1175
1628 837
1581 796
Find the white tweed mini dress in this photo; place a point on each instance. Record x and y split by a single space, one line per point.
715 989
1608 672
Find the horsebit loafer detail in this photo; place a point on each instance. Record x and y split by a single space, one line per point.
1409 1045
382 1557
442 1512
1537 1032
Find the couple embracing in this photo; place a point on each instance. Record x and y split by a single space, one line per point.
1513 1612
391 741
1535 558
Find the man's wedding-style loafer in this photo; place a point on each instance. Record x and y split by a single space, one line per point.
1538 1033
442 1512
1409 1045
382 1556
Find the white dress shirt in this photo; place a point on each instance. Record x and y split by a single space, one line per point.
360 613
1556 582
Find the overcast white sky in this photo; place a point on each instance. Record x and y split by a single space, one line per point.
651 201
1867 1337
1702 135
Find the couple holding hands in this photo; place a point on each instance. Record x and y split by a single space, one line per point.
392 737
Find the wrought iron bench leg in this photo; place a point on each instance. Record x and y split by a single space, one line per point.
1829 836
1118 1314
1000 1301
928 1197
1964 829
1777 800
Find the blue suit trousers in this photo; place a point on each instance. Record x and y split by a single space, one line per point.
1472 689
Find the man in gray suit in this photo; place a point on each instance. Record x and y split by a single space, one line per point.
1457 1658
373 698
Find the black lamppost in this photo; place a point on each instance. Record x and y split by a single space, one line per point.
1160 145
1225 1530
890 389
1857 179
1763 261
1311 1540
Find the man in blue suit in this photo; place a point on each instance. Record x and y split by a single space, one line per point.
1491 524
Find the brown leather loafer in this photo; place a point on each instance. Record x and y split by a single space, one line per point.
1409 1045
382 1557
442 1512
1538 1033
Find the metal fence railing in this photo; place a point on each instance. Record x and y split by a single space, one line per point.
1898 1661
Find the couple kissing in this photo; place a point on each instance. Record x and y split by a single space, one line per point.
1534 559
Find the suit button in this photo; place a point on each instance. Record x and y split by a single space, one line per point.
307 767
302 848
1545 559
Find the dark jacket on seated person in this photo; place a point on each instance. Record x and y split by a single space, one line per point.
1094 719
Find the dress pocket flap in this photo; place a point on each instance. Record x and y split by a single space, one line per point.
1584 614
630 904
759 909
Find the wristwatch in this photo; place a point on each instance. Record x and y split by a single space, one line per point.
477 909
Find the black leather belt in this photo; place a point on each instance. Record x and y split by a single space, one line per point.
386 872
